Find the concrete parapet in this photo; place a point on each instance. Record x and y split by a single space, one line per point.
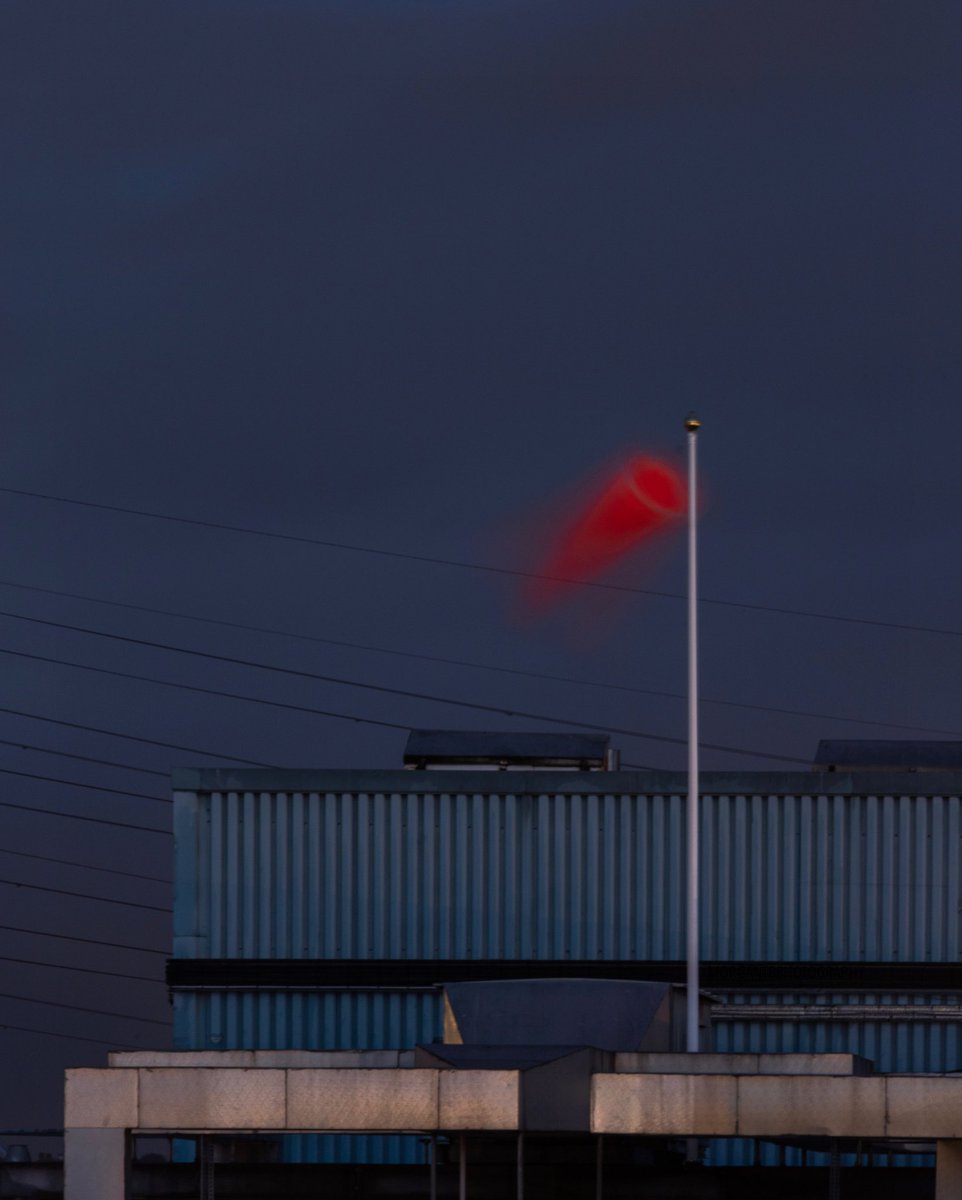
363 1059
743 1064
389 1098
698 1105
811 1106
489 1100
212 1098
924 1106
362 1099
97 1099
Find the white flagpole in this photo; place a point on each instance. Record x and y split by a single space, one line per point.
692 1039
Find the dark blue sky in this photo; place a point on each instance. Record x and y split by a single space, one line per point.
390 274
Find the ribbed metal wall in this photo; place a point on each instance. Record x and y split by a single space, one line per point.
314 1021
579 873
396 865
305 1020
898 1045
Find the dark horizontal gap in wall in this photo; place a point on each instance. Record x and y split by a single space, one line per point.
272 974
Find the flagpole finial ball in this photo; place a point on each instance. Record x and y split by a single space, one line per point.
692 425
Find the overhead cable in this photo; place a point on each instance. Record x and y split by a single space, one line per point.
56 812
70 937
130 737
32 962
467 565
90 787
67 862
97 1012
38 887
100 762
70 1037
461 662
344 682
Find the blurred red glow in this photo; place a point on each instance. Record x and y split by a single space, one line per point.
642 499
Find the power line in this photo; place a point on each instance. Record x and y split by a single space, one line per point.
459 662
32 962
98 1012
70 1037
68 937
37 887
66 862
340 681
130 737
101 762
191 687
471 566
56 812
90 787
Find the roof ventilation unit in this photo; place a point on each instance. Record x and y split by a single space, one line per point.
868 755
458 750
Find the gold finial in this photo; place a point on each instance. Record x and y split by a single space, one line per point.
692 424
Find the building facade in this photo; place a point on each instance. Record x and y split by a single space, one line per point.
324 909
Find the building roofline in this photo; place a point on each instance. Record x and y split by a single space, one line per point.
433 782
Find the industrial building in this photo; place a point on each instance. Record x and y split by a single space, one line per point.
327 924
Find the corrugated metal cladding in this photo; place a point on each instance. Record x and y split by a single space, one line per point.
436 865
305 1020
892 1045
314 1021
387 1020
399 864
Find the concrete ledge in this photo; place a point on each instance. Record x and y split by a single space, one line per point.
101 1099
926 1106
212 1098
398 1099
742 1064
811 1106
747 1105
181 1058
364 1059
693 1105
362 1100
480 1100
815 1064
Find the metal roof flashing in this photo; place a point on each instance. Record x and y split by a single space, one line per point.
886 756
883 782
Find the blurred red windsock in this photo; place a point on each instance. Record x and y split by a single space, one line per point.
642 499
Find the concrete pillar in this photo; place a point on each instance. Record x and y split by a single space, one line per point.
948 1170
95 1164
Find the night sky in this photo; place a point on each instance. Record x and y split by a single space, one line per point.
391 279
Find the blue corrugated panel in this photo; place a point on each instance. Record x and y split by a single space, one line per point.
305 1020
578 871
314 1021
547 866
893 1045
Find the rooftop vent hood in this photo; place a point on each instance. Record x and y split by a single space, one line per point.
867 755
459 750
559 1033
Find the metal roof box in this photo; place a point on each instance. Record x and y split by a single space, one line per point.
869 755
454 749
606 1014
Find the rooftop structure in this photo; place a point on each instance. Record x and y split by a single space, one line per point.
329 912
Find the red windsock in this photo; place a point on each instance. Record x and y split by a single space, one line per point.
642 499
